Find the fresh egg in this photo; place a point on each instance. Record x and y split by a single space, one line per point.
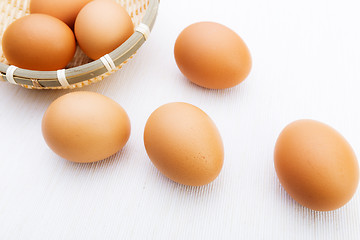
101 27
184 144
39 42
316 165
212 56
65 10
85 127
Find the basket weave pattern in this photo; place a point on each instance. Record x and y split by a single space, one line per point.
10 10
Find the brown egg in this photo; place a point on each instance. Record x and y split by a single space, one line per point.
39 42
101 27
316 165
184 144
85 127
65 10
212 55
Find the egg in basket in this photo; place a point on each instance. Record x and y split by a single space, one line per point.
39 50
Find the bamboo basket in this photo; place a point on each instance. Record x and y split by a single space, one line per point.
81 71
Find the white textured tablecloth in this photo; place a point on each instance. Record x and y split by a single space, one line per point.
306 64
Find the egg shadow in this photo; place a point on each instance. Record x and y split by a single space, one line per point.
287 208
80 169
105 163
201 193
315 217
237 92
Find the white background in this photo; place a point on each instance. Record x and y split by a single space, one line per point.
306 64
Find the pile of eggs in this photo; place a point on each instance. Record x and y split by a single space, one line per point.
46 39
314 163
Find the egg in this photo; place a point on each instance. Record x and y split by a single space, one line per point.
85 127
212 56
65 10
101 27
316 165
38 42
184 144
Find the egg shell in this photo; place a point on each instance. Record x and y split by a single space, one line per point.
184 144
101 27
316 166
85 127
39 42
65 10
212 56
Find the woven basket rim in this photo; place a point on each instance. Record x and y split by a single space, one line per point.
78 74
